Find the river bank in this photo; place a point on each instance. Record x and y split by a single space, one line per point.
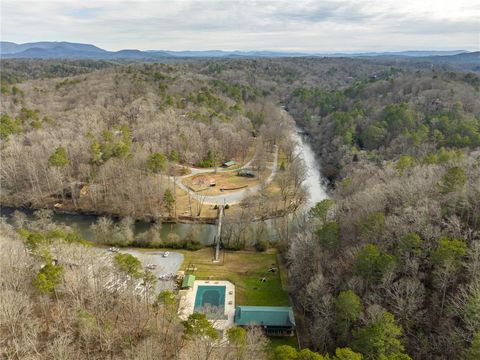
187 201
183 225
70 209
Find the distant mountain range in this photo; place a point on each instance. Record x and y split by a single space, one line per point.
67 50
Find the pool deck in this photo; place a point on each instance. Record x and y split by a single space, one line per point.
187 302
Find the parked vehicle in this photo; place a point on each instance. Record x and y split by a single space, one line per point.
246 173
167 277
166 253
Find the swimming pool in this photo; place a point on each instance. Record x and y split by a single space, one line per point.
208 295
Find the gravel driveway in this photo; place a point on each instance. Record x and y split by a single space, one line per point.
228 197
165 265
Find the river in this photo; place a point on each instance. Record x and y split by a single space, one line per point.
314 183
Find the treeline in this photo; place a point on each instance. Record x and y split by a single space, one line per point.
390 265
17 71
107 232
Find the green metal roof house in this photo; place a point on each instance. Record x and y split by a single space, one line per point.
275 320
188 281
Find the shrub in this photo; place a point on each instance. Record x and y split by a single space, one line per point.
371 264
48 277
59 158
173 241
329 235
261 245
193 245
128 264
156 162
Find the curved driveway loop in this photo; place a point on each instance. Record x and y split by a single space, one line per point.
229 197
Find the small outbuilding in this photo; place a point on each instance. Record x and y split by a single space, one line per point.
228 163
188 281
274 320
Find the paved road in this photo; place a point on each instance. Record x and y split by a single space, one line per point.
230 197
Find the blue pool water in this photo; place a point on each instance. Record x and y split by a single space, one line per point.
208 295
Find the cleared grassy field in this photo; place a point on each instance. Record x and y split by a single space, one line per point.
244 269
224 180
186 206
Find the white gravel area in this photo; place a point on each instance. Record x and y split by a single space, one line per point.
164 265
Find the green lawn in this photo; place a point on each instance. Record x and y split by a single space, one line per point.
244 269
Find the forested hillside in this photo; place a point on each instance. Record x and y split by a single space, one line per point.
390 114
20 71
390 265
116 129
107 137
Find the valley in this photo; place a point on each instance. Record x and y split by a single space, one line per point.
350 189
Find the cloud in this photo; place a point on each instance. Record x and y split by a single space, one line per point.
301 25
86 12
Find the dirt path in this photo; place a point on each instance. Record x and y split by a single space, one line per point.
196 171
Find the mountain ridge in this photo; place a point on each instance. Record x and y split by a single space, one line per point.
64 49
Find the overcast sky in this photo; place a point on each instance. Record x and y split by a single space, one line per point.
295 25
